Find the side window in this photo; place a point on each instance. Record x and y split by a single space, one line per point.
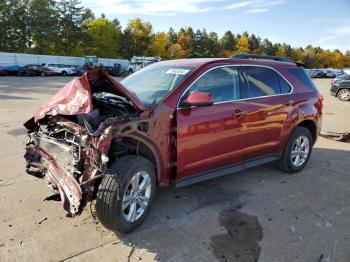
222 83
261 81
300 74
285 87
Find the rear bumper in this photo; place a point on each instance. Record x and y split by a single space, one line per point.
69 189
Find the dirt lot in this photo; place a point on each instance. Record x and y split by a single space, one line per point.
261 214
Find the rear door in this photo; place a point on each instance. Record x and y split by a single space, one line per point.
267 93
212 136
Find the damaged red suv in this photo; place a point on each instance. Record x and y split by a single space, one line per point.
174 122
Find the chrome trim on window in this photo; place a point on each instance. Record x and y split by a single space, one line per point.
236 100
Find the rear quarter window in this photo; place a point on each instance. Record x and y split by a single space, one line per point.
263 81
300 74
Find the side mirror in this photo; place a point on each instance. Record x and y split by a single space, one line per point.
197 98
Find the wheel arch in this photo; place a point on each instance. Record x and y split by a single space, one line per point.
144 148
340 88
311 126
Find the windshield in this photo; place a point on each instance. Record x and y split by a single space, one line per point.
152 83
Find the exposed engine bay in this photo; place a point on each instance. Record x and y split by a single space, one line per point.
71 149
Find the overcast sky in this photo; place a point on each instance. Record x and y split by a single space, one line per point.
324 23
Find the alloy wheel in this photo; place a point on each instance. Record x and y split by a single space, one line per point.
300 151
136 196
344 94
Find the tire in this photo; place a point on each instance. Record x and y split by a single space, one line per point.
43 74
64 73
344 94
115 188
287 162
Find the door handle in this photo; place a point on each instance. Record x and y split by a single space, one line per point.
237 113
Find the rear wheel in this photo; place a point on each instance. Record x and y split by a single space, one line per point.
344 94
125 194
297 152
43 74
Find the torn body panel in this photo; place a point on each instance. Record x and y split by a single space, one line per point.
90 122
76 97
66 184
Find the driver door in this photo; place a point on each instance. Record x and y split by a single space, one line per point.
209 137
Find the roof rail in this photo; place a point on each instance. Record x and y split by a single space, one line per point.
262 57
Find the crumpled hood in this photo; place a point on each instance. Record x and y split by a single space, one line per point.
76 97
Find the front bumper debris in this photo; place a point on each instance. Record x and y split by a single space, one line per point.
69 189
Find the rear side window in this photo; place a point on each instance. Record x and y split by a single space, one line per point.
303 77
262 81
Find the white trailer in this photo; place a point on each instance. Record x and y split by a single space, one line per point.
12 59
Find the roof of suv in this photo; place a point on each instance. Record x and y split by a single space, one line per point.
198 62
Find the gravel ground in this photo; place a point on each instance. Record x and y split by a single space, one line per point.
260 214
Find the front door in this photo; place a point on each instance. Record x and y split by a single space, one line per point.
209 137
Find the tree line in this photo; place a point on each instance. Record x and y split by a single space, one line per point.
67 28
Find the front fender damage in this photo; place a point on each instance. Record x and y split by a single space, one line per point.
73 138
68 187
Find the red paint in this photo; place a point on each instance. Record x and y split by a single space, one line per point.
75 97
199 99
185 141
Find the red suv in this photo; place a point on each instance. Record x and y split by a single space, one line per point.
174 122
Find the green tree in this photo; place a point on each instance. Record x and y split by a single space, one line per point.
213 45
70 34
159 45
254 43
104 37
267 47
139 36
186 41
198 44
14 27
43 23
283 50
228 43
172 36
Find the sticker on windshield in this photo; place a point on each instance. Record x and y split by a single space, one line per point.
177 71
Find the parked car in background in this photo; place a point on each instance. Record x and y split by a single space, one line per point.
175 122
316 73
77 70
44 71
3 72
60 69
341 89
330 74
29 70
340 78
339 72
9 70
114 70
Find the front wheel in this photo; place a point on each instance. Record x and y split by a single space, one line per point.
125 194
297 152
344 94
